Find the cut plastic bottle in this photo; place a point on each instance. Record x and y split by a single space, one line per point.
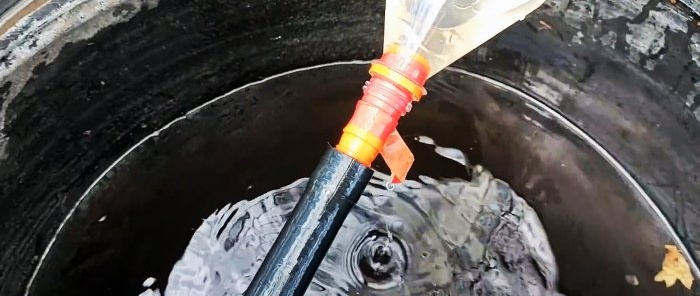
442 31
421 37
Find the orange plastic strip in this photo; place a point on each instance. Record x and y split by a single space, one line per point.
397 156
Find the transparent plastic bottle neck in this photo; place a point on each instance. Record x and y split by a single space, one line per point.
442 31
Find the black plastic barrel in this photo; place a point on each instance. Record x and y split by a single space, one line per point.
124 122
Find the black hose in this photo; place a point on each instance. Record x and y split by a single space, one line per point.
332 191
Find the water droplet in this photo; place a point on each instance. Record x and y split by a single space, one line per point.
453 154
447 152
149 282
425 140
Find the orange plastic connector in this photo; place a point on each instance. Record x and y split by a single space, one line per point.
396 82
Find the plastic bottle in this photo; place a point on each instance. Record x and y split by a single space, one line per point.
421 37
442 31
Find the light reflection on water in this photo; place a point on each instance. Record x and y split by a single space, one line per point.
427 237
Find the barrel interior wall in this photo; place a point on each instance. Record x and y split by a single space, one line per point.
73 108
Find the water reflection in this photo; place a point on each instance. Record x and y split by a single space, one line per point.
427 237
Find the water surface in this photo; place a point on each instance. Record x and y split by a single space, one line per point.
422 237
